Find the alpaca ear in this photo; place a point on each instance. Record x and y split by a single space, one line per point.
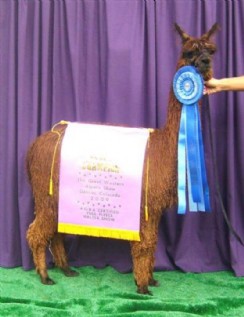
213 29
184 36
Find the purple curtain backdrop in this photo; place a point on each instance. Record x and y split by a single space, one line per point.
112 61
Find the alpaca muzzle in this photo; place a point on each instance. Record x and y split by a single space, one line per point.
203 63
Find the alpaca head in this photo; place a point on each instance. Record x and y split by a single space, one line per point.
198 52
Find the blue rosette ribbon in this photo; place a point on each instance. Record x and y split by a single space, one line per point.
192 178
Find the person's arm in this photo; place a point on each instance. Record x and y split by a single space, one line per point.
224 84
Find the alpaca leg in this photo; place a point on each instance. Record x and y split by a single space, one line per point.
152 281
59 255
39 256
38 237
141 256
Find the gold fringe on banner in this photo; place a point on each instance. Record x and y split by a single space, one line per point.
99 232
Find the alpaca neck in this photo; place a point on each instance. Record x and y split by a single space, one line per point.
167 143
163 150
173 117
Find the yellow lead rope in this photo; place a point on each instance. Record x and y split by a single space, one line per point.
147 177
54 155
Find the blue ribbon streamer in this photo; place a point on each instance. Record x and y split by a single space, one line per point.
192 178
182 164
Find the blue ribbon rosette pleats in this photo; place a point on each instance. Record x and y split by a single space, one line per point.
192 177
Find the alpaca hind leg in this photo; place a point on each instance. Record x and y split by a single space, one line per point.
37 239
59 255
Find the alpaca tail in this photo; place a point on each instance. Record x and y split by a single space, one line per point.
29 159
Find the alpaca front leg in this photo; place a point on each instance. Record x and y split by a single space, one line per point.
143 254
59 255
152 281
142 258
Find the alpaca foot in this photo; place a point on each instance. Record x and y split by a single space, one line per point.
47 281
70 273
154 282
143 290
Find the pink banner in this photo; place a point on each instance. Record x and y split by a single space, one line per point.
101 179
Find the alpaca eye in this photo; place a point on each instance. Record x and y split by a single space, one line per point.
211 52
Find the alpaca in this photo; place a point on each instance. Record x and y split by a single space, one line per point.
162 180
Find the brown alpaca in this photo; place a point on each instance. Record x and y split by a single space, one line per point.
162 180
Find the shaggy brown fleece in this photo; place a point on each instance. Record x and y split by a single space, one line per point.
162 189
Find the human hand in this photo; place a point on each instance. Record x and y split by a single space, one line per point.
211 86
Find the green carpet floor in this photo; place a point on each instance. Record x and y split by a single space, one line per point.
105 292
